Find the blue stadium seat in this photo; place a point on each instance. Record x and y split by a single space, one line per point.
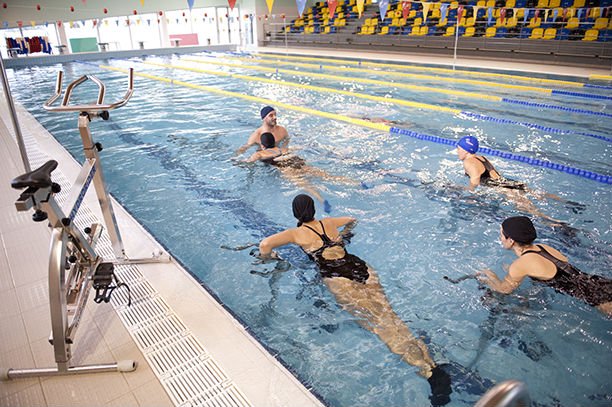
605 36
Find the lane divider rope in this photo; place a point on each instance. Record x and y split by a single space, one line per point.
385 100
426 68
377 126
426 77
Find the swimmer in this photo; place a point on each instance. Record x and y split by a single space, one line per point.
291 166
545 265
481 172
357 288
281 137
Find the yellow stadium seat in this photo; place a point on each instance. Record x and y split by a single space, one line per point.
542 4
537 34
454 5
450 30
384 30
549 34
363 30
490 32
490 3
481 3
572 23
424 30
578 3
469 32
590 35
554 3
417 21
595 12
534 22
510 3
511 22
600 23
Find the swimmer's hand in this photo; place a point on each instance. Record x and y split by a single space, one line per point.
266 258
484 276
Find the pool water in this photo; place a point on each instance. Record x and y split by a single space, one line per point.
168 159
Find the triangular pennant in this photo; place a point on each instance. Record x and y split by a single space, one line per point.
301 4
580 13
489 15
270 3
537 13
425 12
564 14
406 6
383 5
546 16
360 7
231 3
33 23
588 12
190 4
331 5
459 13
555 14
525 15
502 15
142 2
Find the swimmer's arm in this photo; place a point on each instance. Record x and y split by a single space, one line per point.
254 157
472 171
284 143
348 222
250 142
274 241
510 282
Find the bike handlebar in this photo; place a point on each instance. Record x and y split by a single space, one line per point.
92 106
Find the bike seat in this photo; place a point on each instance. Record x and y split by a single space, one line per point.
38 178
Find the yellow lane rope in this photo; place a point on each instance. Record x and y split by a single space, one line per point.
316 88
425 68
606 77
401 74
358 122
352 79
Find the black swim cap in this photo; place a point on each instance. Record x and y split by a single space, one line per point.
266 111
303 209
520 229
267 140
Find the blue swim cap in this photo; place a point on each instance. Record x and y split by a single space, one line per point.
469 144
266 111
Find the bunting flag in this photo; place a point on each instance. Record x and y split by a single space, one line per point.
301 4
459 13
564 14
269 3
489 15
231 3
71 25
141 2
537 13
105 22
149 21
555 14
546 16
331 5
425 12
580 13
443 12
190 4
502 14
6 24
406 6
383 5
525 16
476 8
360 7
588 13
33 23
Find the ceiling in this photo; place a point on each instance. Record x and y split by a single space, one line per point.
26 11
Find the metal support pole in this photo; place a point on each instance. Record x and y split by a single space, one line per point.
285 30
11 105
456 38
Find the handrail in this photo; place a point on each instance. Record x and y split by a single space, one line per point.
92 106
510 393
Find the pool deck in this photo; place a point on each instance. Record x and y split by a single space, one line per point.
106 334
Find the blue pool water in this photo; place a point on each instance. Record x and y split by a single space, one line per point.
167 158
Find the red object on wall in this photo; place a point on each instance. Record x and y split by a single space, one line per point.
135 12
38 7
160 13
71 8
59 23
186 39
282 16
105 11
3 5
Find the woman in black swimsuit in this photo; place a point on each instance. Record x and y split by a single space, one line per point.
546 265
357 288
292 167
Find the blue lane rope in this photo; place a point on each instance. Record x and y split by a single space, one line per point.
531 125
586 85
582 95
510 156
542 163
567 109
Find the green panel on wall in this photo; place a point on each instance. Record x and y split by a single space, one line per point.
84 44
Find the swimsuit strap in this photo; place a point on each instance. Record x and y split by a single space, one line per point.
277 154
487 164
324 237
544 253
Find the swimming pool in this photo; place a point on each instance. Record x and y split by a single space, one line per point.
167 158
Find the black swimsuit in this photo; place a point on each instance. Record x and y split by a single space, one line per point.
292 161
592 289
349 266
485 177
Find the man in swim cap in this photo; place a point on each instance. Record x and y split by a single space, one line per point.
268 115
